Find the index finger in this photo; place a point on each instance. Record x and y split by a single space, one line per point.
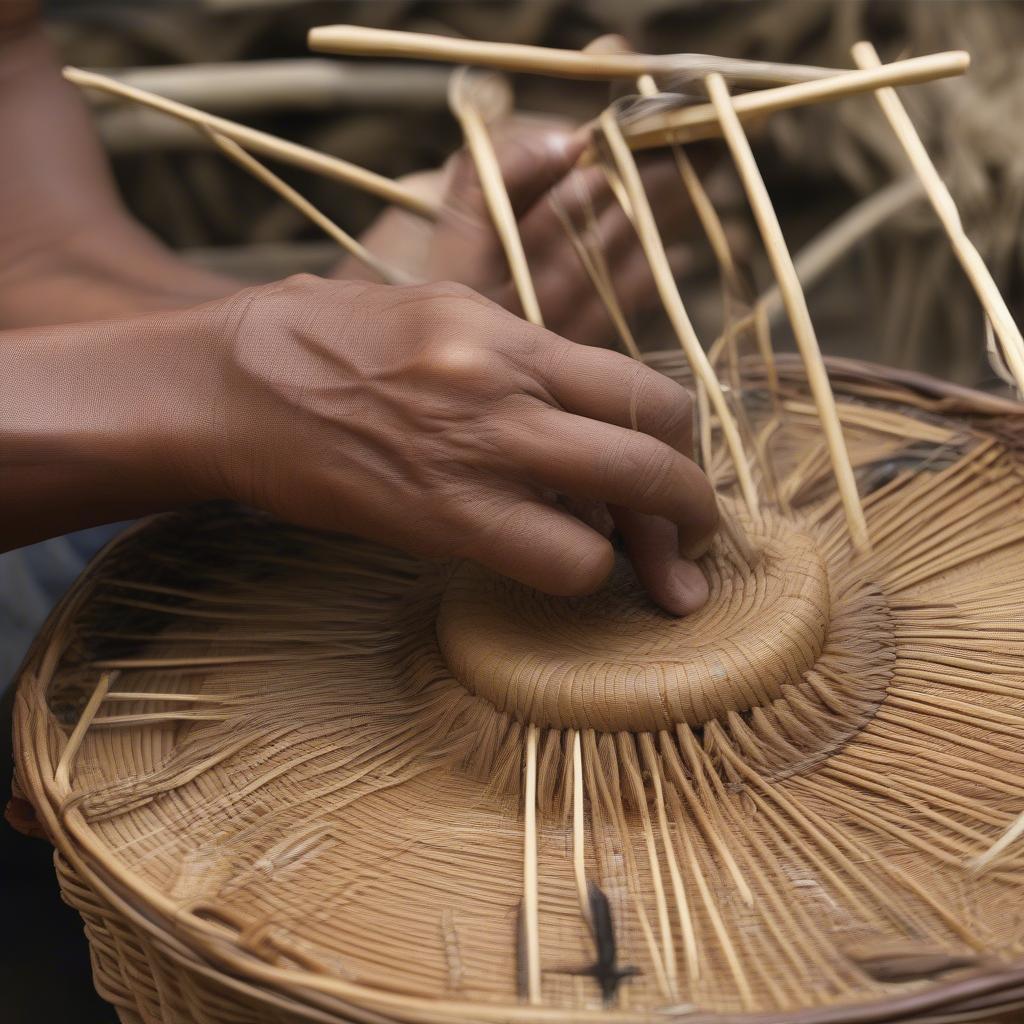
604 385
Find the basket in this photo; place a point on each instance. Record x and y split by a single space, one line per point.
240 852
292 776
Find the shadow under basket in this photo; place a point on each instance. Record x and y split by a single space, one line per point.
298 777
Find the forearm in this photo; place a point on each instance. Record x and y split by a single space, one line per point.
104 421
69 250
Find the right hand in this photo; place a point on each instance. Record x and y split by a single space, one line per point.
432 420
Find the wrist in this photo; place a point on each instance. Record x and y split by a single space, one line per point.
292 363
104 421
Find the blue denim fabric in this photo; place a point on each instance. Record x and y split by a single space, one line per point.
32 580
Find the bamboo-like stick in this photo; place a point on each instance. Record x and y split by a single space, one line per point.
654 770
702 205
65 766
700 122
173 698
635 781
650 240
618 190
265 144
796 307
579 864
823 251
1007 839
596 267
481 150
866 57
715 232
605 287
358 40
593 261
531 907
351 245
296 83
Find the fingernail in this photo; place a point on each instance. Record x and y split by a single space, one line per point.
687 588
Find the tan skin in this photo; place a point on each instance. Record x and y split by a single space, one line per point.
429 417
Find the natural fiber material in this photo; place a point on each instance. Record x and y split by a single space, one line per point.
308 771
300 777
760 630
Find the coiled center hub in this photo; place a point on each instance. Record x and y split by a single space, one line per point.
614 662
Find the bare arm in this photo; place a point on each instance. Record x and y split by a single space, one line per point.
69 250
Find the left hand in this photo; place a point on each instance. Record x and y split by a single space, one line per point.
537 160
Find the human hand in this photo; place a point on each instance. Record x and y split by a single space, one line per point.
537 158
430 419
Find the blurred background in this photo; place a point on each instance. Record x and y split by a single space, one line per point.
897 297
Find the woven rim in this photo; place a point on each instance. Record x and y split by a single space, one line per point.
200 943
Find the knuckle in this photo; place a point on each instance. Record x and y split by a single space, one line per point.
292 293
618 456
674 422
302 281
668 409
641 471
552 359
459 363
655 474
435 293
449 290
483 523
